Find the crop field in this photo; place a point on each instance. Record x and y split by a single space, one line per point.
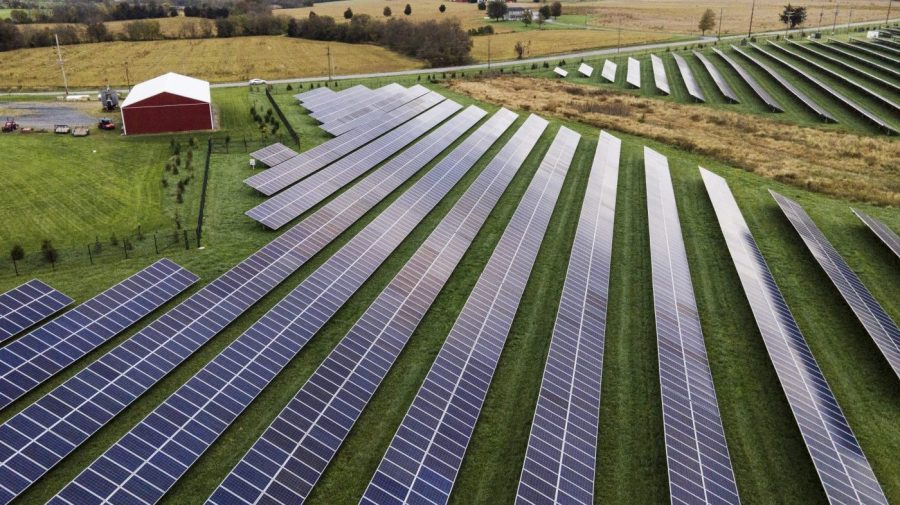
770 460
216 60
546 42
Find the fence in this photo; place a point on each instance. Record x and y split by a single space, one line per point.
281 116
243 144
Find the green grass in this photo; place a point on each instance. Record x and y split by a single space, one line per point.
770 460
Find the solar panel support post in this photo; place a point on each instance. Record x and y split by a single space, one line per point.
156 244
90 255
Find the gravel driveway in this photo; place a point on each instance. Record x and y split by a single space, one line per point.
47 114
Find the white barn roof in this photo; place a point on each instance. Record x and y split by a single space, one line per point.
173 83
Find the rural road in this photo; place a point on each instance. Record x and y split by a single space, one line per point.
495 64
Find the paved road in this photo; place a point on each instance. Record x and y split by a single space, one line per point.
497 64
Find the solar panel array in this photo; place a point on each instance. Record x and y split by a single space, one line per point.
843 469
425 454
750 80
44 352
585 70
291 203
875 119
840 77
873 317
687 75
633 74
274 154
359 102
893 71
329 103
24 306
879 44
376 115
560 460
200 410
696 451
843 64
659 74
84 403
288 459
881 230
865 50
609 71
718 78
283 175
313 93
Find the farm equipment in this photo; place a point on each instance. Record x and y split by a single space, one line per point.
10 125
62 129
106 124
81 131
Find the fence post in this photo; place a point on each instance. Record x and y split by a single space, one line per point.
15 267
125 247
186 243
155 245
284 120
209 146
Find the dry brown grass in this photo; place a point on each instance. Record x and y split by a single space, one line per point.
545 42
842 164
170 27
422 10
217 60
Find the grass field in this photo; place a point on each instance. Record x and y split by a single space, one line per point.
216 60
768 454
546 42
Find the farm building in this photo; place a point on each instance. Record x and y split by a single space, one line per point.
168 103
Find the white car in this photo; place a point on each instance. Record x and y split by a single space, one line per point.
254 82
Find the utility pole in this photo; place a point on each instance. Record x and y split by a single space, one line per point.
62 65
752 10
619 41
127 78
790 19
849 19
330 64
719 35
834 24
489 54
888 17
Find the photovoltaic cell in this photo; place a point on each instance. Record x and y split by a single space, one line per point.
225 386
425 454
836 75
313 93
347 105
750 80
838 49
696 451
808 48
286 462
880 44
831 91
324 103
873 317
718 78
609 71
37 438
633 73
363 117
881 230
843 469
44 352
659 74
560 461
687 75
274 154
24 306
865 50
283 175
291 203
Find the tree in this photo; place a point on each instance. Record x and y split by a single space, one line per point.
348 14
442 8
481 6
520 48
556 9
50 253
19 16
97 32
527 16
496 9
707 21
16 254
544 12
387 12
407 10
793 16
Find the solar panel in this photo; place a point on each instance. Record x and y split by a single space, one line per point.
761 92
388 100
560 462
224 388
84 403
24 306
837 75
687 75
585 70
44 352
873 317
879 44
326 103
377 95
274 154
560 72
294 201
857 58
880 229
425 454
609 71
659 74
633 74
865 50
696 451
347 104
283 175
377 113
718 78
843 469
841 63
831 91
311 94
311 428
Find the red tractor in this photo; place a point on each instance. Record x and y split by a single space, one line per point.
10 125
106 124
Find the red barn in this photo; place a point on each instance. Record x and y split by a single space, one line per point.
168 103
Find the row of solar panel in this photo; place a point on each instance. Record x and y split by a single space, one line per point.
26 305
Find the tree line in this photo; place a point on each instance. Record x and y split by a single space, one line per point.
89 12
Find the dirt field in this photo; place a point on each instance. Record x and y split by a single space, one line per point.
543 42
422 10
217 60
842 164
